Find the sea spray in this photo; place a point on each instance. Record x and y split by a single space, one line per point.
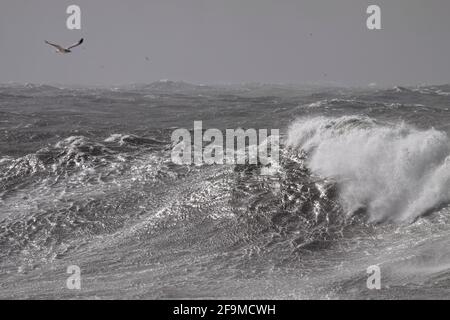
393 171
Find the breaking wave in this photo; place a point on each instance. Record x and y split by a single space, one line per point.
394 172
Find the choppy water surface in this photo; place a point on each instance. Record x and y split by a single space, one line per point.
86 179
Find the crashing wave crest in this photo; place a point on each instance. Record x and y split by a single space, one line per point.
394 172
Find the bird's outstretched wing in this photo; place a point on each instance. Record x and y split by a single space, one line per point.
54 45
76 44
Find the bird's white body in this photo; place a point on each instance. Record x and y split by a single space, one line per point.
63 51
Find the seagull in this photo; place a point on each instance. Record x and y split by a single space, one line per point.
65 50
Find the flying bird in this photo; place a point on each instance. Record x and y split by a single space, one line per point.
65 50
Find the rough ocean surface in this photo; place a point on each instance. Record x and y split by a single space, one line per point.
86 179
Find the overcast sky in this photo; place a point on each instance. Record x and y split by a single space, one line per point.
227 41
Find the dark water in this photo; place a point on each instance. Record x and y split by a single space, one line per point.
86 179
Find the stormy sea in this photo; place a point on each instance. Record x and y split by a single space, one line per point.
87 180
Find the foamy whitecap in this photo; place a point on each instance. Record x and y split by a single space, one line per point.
395 172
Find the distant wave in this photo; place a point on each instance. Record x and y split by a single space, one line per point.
355 104
133 140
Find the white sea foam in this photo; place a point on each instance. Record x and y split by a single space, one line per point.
395 172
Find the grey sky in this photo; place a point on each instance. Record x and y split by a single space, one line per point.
222 41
